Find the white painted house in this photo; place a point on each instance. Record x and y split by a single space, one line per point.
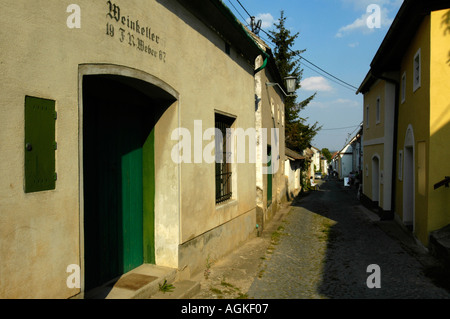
292 170
315 160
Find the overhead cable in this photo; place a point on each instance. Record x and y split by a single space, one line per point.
341 82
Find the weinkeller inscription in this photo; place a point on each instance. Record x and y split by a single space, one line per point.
133 32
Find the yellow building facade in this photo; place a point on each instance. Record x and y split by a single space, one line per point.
424 127
378 129
417 67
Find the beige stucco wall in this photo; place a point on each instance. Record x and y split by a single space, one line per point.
270 114
42 232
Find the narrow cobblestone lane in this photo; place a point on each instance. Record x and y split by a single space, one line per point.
323 248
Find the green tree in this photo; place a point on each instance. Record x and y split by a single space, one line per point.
326 152
298 134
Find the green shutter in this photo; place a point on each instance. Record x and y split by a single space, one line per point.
40 144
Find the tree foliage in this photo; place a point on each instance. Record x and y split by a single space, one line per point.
298 134
326 152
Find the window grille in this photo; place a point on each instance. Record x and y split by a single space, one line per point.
417 71
223 160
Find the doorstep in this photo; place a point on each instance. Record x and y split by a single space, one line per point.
140 283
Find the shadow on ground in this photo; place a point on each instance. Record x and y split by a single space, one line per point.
356 240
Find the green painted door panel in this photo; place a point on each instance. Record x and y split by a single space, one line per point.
149 198
132 208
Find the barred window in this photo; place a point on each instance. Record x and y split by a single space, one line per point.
417 71
223 159
403 87
378 110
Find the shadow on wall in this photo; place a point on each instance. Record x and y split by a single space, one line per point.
446 25
189 19
440 197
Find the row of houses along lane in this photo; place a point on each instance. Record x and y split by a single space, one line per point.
100 180
108 178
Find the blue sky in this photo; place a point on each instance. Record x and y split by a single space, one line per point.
337 39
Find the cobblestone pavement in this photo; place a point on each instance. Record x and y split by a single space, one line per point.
322 248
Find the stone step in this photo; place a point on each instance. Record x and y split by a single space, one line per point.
140 283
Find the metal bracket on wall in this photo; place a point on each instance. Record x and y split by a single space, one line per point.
445 182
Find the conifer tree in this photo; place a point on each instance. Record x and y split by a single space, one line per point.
298 134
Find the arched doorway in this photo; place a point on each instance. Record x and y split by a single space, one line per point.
376 180
408 180
119 114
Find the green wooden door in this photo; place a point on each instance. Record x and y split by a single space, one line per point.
269 176
117 154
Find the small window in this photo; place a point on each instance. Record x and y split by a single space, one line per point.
223 159
403 88
417 71
378 110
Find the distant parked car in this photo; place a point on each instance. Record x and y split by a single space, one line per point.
318 175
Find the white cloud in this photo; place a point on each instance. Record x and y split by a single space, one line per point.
347 102
316 83
361 23
267 20
353 45
337 104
